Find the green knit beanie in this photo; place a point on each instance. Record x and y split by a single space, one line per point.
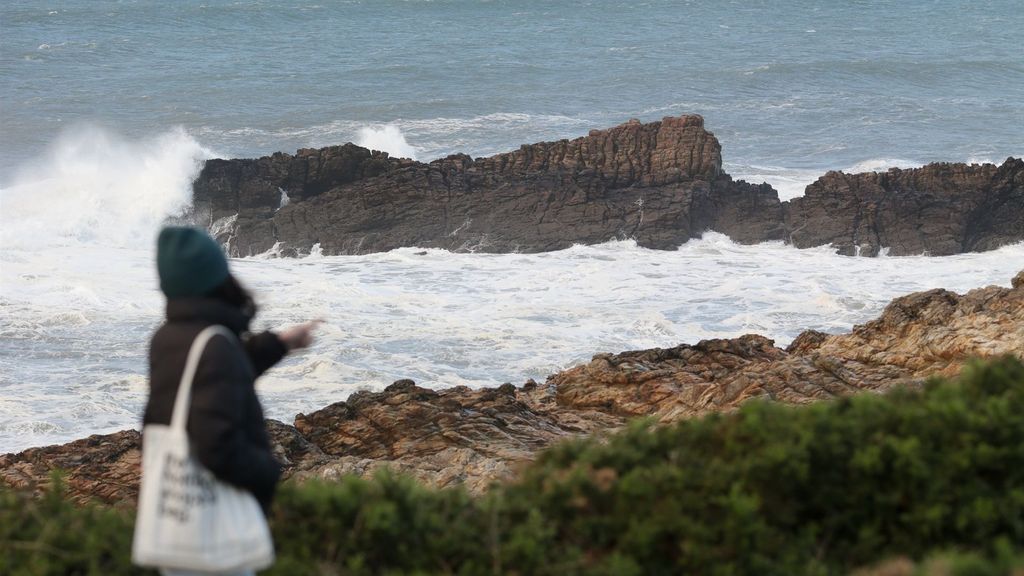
189 262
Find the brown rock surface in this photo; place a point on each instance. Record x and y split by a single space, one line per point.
102 467
660 183
472 437
443 437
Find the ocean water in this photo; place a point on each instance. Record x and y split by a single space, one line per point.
107 110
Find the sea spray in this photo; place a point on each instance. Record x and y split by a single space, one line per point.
388 139
881 165
96 187
77 281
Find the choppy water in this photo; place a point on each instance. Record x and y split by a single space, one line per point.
107 109
791 88
77 318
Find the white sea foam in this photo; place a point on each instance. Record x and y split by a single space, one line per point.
73 355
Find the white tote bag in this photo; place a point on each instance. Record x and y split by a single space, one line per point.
187 519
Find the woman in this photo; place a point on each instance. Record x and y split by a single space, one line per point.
225 424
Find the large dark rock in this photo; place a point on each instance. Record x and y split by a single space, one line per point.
939 209
659 183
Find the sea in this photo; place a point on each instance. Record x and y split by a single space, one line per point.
109 108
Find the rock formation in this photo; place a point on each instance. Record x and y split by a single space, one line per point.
660 183
939 209
473 437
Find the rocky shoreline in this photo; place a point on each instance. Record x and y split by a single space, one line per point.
474 437
660 183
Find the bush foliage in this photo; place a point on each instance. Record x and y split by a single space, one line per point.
933 478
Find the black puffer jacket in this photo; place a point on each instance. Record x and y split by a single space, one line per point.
225 423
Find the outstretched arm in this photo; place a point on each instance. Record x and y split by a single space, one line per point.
300 335
264 349
267 348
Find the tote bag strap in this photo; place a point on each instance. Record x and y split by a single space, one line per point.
184 397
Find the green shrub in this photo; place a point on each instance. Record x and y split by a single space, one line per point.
776 489
935 476
50 535
1002 563
389 524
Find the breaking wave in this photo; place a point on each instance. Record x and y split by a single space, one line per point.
93 186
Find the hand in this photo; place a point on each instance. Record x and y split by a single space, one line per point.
299 336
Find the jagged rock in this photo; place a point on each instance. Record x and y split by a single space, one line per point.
247 193
660 183
473 437
919 335
939 209
634 180
444 437
101 467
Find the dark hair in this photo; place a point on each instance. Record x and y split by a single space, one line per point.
233 293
